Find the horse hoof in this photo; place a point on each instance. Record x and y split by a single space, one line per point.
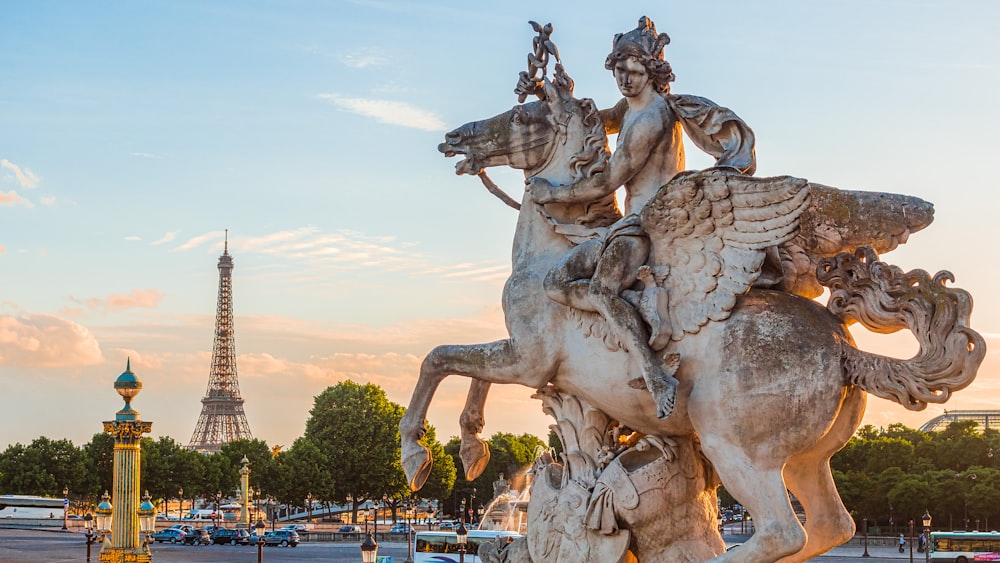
416 463
475 454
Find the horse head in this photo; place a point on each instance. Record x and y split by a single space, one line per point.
558 137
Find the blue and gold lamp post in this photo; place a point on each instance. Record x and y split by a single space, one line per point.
123 544
245 492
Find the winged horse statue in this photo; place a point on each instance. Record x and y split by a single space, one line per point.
771 384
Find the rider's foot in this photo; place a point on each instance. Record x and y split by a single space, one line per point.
663 386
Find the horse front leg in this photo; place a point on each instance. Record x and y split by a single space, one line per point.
493 362
474 452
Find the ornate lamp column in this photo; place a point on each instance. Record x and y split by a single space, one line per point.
245 489
124 544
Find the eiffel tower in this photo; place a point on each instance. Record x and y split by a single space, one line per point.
222 418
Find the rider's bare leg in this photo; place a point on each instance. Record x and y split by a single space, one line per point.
493 362
474 452
616 271
568 282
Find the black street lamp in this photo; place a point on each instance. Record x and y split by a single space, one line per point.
309 507
407 507
218 502
369 550
911 540
180 504
65 507
864 529
88 521
260 540
461 536
927 534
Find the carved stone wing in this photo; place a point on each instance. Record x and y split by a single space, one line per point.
708 231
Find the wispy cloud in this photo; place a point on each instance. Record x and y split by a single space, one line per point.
144 155
388 111
361 58
199 240
133 237
136 299
11 198
25 177
164 239
47 200
355 58
347 250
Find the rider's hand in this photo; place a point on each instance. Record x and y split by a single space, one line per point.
539 189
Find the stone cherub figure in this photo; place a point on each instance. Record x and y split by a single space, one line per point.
648 120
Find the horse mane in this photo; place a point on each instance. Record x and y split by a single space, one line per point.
593 157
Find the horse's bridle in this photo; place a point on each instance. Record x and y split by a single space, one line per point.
491 186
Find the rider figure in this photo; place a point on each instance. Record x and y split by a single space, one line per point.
649 152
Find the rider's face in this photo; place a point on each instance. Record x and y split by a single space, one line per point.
631 77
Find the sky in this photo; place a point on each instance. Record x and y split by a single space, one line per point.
132 135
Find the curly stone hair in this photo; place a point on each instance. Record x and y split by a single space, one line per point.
646 46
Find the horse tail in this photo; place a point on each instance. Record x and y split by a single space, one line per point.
884 299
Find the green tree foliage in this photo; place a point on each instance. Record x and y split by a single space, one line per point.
442 479
357 428
43 467
303 470
263 468
509 454
892 475
100 462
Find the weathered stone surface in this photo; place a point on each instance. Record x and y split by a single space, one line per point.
664 362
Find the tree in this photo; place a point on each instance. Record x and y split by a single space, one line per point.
509 454
357 428
100 453
43 467
263 468
441 481
305 469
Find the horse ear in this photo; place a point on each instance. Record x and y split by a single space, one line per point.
562 81
550 90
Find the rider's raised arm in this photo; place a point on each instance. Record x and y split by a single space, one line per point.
634 147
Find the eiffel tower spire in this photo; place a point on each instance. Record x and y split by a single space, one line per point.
222 418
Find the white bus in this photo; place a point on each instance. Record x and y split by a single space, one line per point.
442 547
25 506
964 547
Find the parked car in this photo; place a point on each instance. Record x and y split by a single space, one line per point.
172 535
296 527
400 528
198 536
186 528
232 537
447 525
349 530
282 538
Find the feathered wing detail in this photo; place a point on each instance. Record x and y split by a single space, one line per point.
711 229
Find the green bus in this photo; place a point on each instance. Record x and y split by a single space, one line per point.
964 547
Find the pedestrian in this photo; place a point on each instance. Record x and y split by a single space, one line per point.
921 543
902 542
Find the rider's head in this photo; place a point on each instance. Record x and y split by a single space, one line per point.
645 46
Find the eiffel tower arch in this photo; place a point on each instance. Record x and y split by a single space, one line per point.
222 419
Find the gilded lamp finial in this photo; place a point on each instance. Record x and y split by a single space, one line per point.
128 386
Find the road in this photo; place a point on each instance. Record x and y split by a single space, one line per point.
32 546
